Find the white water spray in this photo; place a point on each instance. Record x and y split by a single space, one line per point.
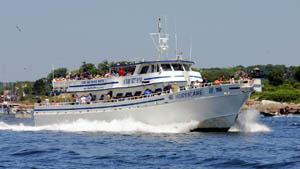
126 125
248 122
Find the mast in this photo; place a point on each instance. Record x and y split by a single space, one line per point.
162 39
191 45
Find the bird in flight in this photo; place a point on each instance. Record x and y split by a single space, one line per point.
18 28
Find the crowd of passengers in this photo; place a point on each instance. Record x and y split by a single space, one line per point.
222 80
88 76
89 98
230 79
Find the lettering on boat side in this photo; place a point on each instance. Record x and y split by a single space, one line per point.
189 94
218 89
92 82
211 90
92 88
133 80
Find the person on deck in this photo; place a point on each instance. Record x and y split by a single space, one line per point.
121 72
47 101
217 82
83 99
39 100
88 99
175 88
107 75
147 92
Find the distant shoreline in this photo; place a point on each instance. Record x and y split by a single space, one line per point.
272 108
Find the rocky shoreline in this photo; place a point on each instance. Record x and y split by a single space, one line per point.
271 108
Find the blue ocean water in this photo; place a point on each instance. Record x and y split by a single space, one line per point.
255 142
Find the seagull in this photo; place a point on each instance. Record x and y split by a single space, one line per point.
18 28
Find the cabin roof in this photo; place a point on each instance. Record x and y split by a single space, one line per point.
149 62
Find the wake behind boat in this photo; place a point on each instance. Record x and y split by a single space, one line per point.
153 92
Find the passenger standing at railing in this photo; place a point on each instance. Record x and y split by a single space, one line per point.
39 100
197 84
175 88
121 72
88 99
217 82
47 101
246 78
113 73
147 92
108 97
232 79
167 88
83 99
204 82
77 100
107 75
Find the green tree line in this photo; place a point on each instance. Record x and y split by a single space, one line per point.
277 79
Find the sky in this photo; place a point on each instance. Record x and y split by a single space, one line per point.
34 35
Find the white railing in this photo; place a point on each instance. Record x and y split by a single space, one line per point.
105 101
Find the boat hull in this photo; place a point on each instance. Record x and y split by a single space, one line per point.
212 112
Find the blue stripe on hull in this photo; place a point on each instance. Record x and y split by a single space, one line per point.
101 107
196 77
160 77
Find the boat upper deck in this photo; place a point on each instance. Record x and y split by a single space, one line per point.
130 75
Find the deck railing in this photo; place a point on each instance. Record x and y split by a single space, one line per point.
114 100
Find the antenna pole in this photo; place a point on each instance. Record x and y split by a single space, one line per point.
159 30
176 50
191 45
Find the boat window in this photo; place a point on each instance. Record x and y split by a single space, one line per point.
157 68
119 95
128 94
153 68
144 70
218 89
129 70
177 67
102 97
187 67
158 91
166 67
137 93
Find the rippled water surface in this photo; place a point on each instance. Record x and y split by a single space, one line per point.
255 142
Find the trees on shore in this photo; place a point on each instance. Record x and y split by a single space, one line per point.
273 75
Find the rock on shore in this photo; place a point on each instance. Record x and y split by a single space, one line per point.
271 108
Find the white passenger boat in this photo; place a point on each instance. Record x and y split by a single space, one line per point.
175 94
